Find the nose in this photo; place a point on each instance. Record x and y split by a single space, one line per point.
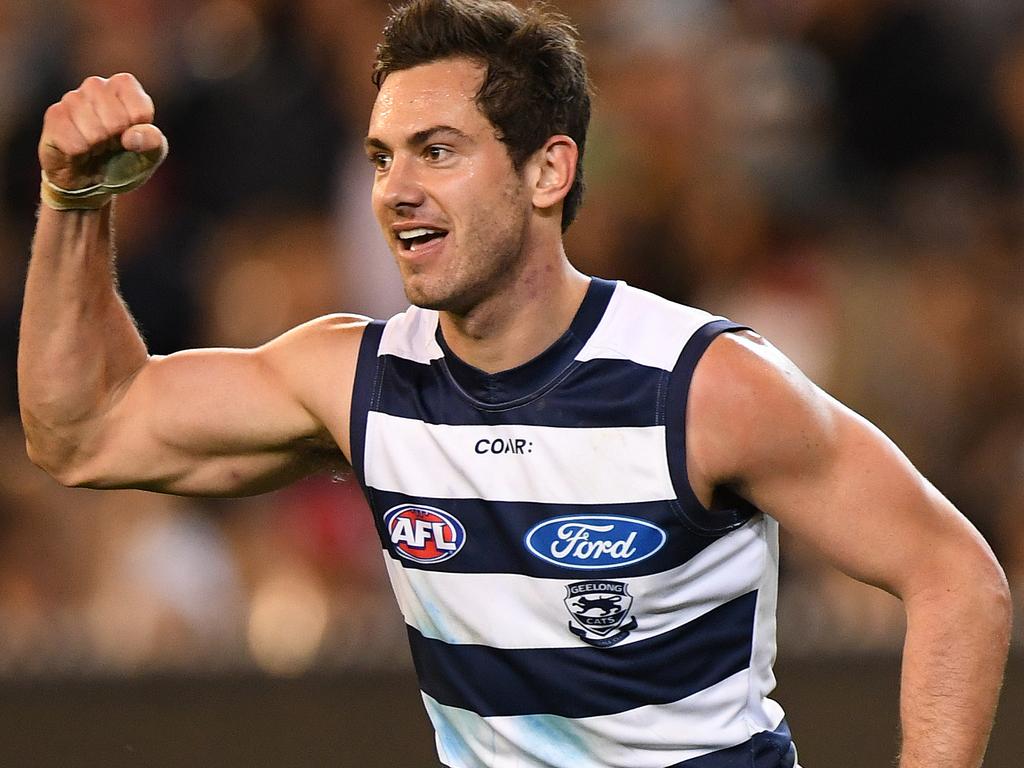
400 186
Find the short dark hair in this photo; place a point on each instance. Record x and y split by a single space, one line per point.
536 83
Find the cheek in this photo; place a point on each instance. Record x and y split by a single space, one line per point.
380 213
376 199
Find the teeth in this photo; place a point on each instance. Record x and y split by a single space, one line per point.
420 232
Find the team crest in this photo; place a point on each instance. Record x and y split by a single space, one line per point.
600 611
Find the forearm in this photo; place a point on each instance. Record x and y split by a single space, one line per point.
954 656
78 343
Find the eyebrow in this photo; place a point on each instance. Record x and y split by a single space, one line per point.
419 138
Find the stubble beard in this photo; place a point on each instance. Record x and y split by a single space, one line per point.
482 270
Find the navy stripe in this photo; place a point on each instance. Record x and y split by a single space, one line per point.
362 390
509 388
581 399
496 533
690 507
585 682
768 749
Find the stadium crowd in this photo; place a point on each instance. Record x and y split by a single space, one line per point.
845 176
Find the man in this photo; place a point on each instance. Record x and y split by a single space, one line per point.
576 484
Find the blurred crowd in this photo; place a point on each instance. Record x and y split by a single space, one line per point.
845 176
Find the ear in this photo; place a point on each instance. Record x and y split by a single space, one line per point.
553 171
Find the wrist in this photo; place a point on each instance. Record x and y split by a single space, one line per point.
121 172
87 199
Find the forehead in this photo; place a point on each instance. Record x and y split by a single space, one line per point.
440 93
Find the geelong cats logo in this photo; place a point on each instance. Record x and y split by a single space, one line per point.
424 534
600 610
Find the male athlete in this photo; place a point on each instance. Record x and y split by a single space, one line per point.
576 484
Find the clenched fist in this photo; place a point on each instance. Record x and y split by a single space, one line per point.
98 141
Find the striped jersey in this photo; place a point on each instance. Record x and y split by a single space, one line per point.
569 601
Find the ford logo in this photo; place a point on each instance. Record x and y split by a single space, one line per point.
593 542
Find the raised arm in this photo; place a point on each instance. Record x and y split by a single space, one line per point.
831 478
98 411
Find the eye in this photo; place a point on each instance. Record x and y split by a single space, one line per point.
380 160
436 153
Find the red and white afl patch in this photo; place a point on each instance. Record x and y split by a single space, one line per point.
424 534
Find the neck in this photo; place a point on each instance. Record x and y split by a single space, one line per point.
520 321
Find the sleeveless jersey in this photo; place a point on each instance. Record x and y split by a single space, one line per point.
569 601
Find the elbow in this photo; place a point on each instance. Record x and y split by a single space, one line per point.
74 451
59 459
1000 598
984 596
992 590
996 610
49 463
964 587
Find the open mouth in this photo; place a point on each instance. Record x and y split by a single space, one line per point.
414 239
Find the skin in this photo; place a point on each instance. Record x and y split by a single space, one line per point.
500 276
100 412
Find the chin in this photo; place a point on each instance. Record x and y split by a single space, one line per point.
425 296
438 298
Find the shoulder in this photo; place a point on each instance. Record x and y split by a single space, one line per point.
752 412
336 335
316 361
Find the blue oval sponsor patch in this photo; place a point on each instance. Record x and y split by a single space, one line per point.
593 542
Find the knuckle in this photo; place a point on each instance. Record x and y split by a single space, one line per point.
142 113
93 82
68 144
113 126
124 78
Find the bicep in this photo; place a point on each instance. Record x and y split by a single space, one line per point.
208 422
227 421
827 475
857 499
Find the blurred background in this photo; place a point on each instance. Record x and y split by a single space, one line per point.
846 176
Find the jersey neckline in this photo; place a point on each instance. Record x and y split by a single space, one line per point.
518 385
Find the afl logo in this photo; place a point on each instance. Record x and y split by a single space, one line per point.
424 534
593 542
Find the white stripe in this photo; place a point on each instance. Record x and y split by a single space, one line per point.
763 651
410 335
646 737
503 610
644 328
556 465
